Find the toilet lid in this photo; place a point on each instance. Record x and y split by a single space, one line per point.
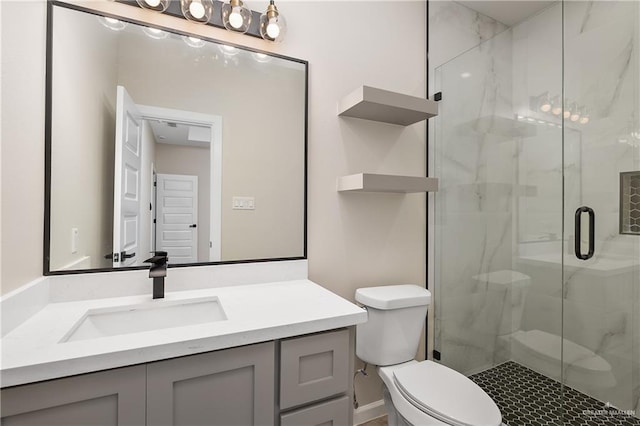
446 395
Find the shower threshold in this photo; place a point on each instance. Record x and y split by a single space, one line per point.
526 397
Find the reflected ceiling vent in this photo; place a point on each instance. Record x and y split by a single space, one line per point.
182 134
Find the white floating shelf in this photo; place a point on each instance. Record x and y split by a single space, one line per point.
368 182
374 104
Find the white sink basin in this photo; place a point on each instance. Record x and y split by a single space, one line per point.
148 316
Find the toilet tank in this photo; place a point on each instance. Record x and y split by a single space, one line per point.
396 317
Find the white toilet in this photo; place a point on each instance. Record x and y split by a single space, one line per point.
416 393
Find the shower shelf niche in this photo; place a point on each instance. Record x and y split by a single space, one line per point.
369 182
370 103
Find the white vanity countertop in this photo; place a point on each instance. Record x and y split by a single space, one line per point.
255 313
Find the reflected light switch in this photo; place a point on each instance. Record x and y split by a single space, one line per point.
243 203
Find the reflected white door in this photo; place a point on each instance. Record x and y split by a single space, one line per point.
126 203
177 217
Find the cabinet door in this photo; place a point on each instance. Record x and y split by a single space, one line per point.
112 397
329 413
314 367
228 387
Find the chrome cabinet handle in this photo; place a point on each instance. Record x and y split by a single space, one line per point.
578 232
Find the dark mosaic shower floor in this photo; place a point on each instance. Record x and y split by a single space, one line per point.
527 398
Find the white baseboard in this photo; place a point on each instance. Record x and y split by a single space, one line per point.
369 412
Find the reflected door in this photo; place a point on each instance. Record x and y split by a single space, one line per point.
177 217
126 217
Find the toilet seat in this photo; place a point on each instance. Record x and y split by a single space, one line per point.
445 394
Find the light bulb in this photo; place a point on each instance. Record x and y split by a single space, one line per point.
545 106
566 114
235 18
584 120
196 9
273 29
574 112
155 5
556 105
273 26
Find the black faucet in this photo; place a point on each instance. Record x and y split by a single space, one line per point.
158 271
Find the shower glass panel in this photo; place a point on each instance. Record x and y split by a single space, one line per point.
500 167
601 295
535 123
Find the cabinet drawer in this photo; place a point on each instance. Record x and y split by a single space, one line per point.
334 412
313 367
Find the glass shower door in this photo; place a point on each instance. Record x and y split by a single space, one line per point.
537 221
601 264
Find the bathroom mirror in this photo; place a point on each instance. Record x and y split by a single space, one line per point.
160 140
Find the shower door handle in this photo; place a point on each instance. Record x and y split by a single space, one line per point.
578 232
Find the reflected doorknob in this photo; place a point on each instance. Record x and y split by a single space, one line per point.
193 225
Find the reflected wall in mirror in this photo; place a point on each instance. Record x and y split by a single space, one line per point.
164 141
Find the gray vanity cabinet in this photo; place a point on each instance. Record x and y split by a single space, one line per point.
229 387
112 397
298 381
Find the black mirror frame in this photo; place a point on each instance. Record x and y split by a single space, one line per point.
47 149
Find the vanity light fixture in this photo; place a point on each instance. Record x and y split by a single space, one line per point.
235 16
197 10
157 5
273 26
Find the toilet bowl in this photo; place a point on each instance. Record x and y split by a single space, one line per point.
428 393
416 393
